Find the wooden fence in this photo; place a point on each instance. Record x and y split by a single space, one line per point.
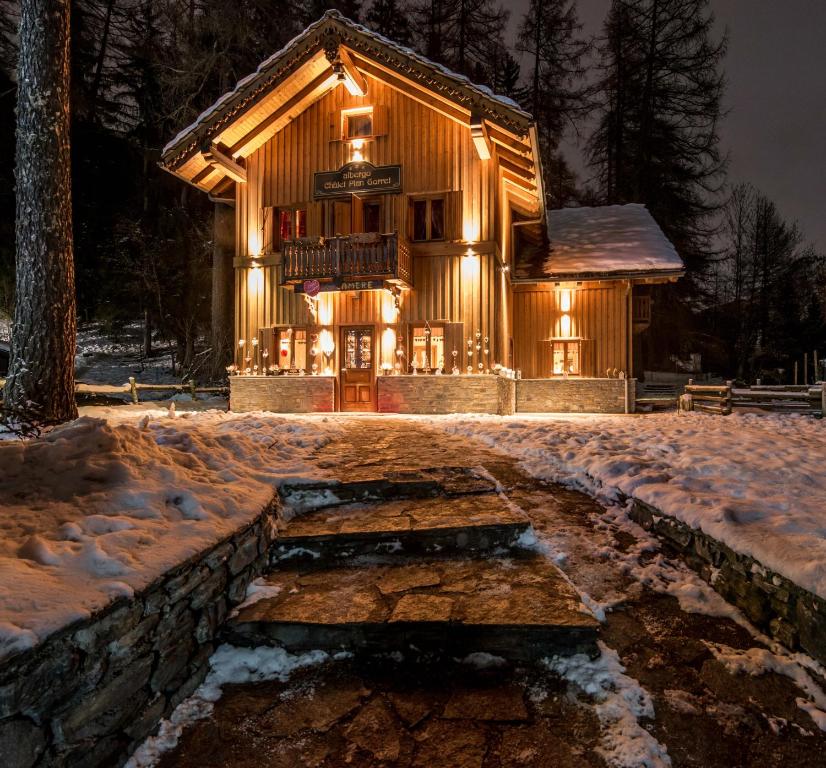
710 398
723 398
133 388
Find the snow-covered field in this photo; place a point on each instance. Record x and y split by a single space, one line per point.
756 482
100 507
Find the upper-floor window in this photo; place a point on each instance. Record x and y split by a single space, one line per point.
358 124
371 216
428 219
292 223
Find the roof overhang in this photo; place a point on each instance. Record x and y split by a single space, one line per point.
330 52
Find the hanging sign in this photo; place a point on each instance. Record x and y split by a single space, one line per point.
339 285
354 178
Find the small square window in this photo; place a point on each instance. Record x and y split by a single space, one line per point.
428 219
566 356
358 126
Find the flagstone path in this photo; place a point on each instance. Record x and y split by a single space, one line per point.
416 551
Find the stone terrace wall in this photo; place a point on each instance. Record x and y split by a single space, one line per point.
574 395
282 394
476 393
793 616
91 693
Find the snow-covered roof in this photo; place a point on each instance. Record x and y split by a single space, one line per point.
608 240
229 101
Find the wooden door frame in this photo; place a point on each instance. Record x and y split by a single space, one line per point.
342 330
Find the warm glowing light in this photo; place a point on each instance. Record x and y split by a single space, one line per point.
254 245
255 280
356 156
565 300
389 308
470 265
388 347
326 343
357 143
325 309
565 326
470 230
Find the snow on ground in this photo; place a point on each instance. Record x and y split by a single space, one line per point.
227 665
100 507
753 481
620 702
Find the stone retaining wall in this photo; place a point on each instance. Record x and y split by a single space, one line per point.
791 615
446 394
575 395
282 394
91 693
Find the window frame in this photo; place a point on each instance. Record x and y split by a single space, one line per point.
565 344
429 344
428 202
359 112
294 212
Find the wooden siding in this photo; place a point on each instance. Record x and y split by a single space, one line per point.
599 314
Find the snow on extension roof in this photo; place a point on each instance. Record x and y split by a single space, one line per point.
609 239
335 15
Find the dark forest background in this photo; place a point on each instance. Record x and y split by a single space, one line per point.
646 98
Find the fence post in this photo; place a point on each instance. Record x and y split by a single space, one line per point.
192 389
823 399
133 388
727 402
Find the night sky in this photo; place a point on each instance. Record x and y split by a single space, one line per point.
775 129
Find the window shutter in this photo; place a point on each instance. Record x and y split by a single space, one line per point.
380 120
357 223
453 216
335 125
342 219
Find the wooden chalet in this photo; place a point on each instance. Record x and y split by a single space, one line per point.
392 247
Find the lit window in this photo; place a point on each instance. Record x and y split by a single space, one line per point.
292 223
358 125
290 348
428 347
566 358
428 219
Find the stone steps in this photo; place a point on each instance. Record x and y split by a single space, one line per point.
472 524
519 608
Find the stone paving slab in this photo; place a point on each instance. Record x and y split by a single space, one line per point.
349 716
382 483
470 524
520 608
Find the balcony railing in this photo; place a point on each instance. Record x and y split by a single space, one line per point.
353 257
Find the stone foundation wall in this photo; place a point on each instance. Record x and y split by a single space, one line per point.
446 394
793 616
282 394
91 693
575 395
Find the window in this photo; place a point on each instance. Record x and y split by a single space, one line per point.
292 223
358 125
428 219
290 348
642 309
371 217
428 347
566 357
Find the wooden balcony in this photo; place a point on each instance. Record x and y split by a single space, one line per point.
347 259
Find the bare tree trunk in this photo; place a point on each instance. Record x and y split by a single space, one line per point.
41 378
147 333
223 249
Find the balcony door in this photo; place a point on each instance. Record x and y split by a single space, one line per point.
358 380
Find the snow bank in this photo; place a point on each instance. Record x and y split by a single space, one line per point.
620 702
99 508
756 482
227 665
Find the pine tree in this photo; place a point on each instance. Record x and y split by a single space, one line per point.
464 35
40 386
390 19
656 141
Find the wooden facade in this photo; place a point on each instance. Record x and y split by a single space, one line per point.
429 263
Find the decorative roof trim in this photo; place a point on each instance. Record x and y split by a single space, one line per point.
328 33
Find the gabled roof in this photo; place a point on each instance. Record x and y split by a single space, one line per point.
301 72
608 241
